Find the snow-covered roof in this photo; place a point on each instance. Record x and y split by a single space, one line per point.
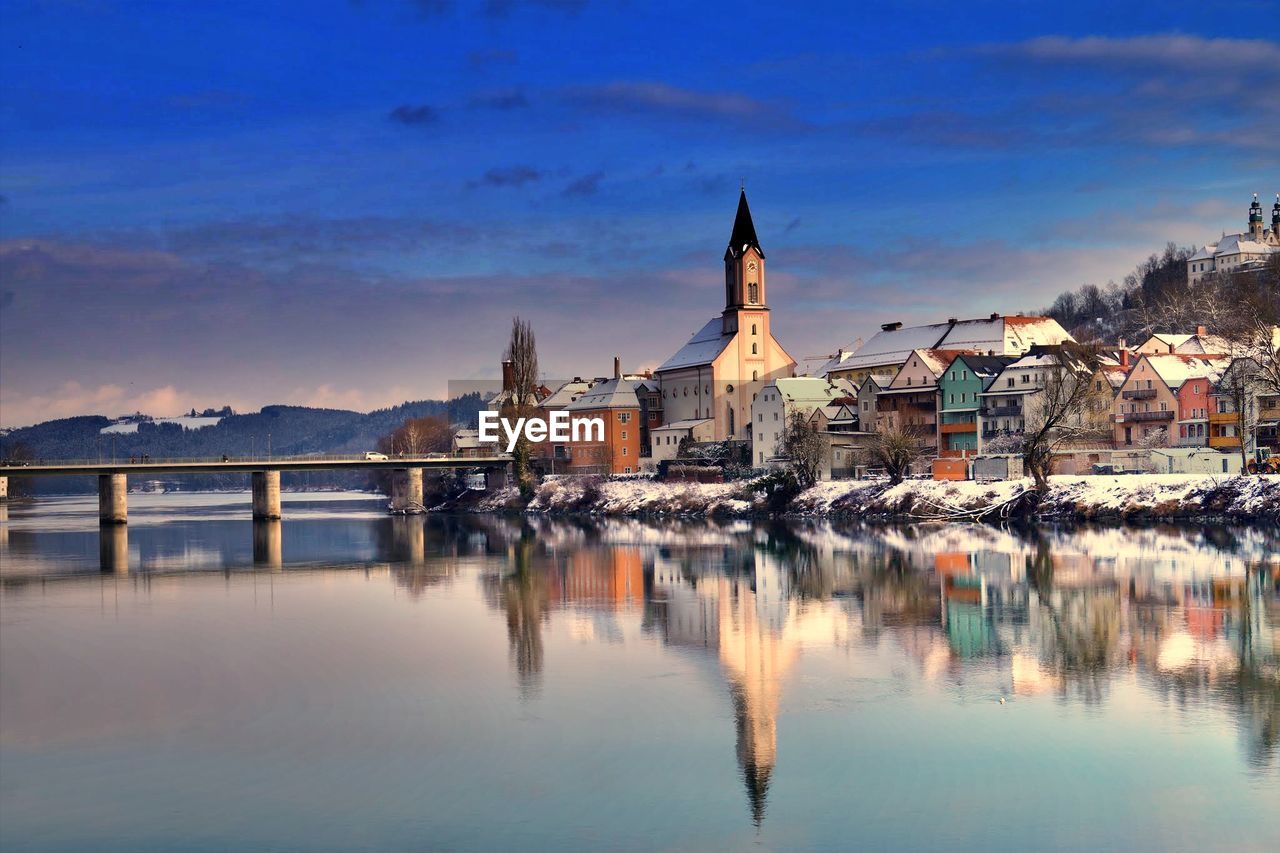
688 423
1000 335
1240 244
809 389
703 348
1176 369
565 394
610 394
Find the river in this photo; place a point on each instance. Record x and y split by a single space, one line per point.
347 680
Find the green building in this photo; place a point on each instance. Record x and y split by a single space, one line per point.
958 388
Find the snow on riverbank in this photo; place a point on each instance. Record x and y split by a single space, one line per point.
1135 497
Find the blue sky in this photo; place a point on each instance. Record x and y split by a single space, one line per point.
344 203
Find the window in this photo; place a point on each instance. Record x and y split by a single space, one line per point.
627 470
754 376
755 350
753 328
624 417
624 451
760 417
624 435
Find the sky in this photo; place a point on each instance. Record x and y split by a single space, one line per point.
344 203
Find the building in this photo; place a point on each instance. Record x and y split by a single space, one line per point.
776 403
1003 410
665 440
910 401
720 371
959 396
1201 343
554 456
1239 252
1170 392
615 401
889 348
1257 423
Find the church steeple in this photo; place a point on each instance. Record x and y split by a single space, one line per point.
743 265
744 230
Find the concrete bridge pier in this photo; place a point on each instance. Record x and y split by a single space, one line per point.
113 499
406 490
268 543
113 549
266 494
495 478
4 489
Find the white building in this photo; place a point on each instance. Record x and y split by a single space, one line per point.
779 399
1236 252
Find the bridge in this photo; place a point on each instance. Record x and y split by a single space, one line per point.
113 475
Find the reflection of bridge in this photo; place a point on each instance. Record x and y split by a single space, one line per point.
113 476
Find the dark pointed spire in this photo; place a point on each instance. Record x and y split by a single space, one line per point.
744 230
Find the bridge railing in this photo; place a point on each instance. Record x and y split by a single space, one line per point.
238 459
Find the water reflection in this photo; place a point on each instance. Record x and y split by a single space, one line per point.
1191 612
771 619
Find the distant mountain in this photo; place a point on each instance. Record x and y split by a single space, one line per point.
284 430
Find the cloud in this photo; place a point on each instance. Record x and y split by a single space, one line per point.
71 399
414 115
1180 52
662 99
511 176
585 186
512 100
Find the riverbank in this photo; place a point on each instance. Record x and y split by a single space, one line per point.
1139 497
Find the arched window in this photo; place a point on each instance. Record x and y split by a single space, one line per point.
755 375
755 349
753 293
753 328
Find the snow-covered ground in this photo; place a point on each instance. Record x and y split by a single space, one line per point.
1136 496
186 422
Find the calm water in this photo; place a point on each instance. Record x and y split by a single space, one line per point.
347 680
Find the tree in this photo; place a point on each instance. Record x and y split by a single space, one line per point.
417 436
1063 409
1240 384
522 354
896 449
804 448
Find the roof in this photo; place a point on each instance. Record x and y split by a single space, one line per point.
610 394
1115 374
1000 335
744 230
688 423
985 366
565 394
703 348
809 389
1176 369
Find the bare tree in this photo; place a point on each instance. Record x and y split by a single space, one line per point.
804 448
522 352
1062 410
1240 385
896 449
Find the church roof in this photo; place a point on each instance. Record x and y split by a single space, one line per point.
703 348
744 230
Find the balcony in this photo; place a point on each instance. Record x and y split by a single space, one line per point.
1224 442
1140 394
1223 418
968 426
1003 412
1140 417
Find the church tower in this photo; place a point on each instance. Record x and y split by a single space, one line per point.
1255 219
743 270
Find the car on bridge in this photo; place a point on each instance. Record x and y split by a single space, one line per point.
375 456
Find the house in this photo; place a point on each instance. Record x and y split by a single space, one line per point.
910 400
780 399
846 446
1016 400
554 456
889 348
959 396
720 371
1201 343
868 394
665 440
1170 392
466 443
616 403
1003 410
1243 405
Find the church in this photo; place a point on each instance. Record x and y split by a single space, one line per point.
709 384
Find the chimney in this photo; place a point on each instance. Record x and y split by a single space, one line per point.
995 315
1201 331
617 367
891 327
508 375
1124 355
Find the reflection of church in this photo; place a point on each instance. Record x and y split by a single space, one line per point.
743 620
